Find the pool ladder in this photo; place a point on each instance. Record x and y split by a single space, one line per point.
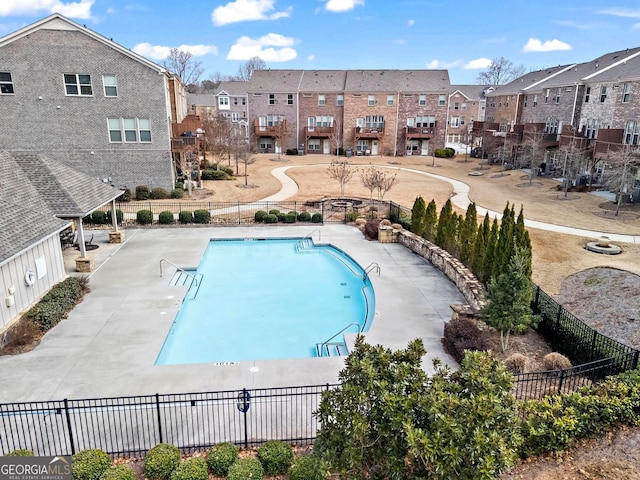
373 267
325 349
183 277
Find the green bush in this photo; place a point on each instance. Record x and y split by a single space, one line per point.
275 212
89 464
142 192
281 216
307 467
158 193
290 217
201 216
161 461
211 174
179 184
245 469
21 452
144 217
177 193
57 302
304 217
351 216
228 171
99 217
185 216
119 216
445 152
260 215
271 219
316 218
220 458
194 468
275 456
125 196
118 472
165 218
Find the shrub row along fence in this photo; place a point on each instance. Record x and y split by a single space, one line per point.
597 355
130 426
225 213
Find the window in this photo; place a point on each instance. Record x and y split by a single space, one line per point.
265 143
546 95
463 106
461 121
374 121
442 100
290 99
362 145
6 84
456 106
340 100
587 94
455 122
223 103
603 93
272 99
110 85
422 101
556 99
592 128
244 101
324 121
428 121
235 116
632 133
535 100
526 100
314 144
76 84
389 100
235 100
273 120
551 125
626 93
371 100
411 122
321 100
130 129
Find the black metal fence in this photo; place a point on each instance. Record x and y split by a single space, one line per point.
129 426
336 210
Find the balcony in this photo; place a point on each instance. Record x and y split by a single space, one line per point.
368 132
318 132
273 129
420 132
608 141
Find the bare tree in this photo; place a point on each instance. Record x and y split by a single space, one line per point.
217 135
573 162
386 183
370 179
245 71
341 171
335 137
181 63
533 148
501 71
246 159
621 178
280 133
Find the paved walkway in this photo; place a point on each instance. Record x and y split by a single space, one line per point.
461 200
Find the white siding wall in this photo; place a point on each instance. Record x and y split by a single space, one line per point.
13 273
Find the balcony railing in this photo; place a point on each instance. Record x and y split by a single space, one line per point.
420 132
318 131
371 132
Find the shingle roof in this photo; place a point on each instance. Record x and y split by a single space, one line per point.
428 81
232 87
201 99
528 81
323 81
274 81
34 190
473 92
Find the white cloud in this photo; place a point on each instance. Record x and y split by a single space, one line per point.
621 12
342 5
410 23
311 58
80 9
478 64
263 47
436 64
160 52
636 25
535 45
246 10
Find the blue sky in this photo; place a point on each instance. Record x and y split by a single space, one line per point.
462 37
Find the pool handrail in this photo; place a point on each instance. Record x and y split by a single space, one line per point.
320 346
193 277
310 235
372 267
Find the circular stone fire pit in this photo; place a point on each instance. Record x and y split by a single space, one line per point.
603 245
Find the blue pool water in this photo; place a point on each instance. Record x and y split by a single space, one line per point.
267 299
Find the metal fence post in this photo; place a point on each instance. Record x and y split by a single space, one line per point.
68 417
159 418
244 412
561 381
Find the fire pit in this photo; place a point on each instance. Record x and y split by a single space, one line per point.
603 245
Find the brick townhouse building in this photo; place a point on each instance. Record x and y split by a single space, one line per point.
82 99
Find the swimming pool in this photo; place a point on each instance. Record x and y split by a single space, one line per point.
260 299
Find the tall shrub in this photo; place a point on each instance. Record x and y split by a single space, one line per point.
430 221
418 216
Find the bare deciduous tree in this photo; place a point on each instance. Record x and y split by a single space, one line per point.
387 181
341 171
501 71
280 132
181 63
374 179
624 166
533 149
246 159
245 71
217 135
335 137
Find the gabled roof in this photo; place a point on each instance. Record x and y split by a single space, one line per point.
528 81
409 81
472 92
234 88
59 22
274 81
34 190
323 81
202 99
616 66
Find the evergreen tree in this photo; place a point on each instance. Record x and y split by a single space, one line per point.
446 231
505 242
418 216
430 221
467 235
479 249
508 297
523 241
490 252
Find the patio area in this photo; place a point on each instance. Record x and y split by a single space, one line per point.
108 345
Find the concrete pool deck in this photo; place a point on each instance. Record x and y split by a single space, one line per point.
108 345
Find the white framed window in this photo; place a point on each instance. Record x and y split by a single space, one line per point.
265 143
456 106
455 122
244 100
340 100
442 100
223 103
551 125
426 121
235 100
526 100
129 130
321 100
463 106
422 100
587 94
77 84
362 145
632 133
314 144
626 93
592 128
235 116
389 100
374 121
289 98
6 83
324 121
359 122
535 100
371 100
411 122
556 99
603 93
110 85
547 92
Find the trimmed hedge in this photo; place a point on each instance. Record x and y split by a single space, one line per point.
316 218
125 196
118 472
201 216
161 461
177 193
220 458
165 218
260 216
142 192
271 219
119 216
304 217
90 464
194 468
144 217
99 217
57 302
246 468
275 456
21 452
185 216
211 174
307 467
158 193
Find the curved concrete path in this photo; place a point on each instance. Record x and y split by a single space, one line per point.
460 199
